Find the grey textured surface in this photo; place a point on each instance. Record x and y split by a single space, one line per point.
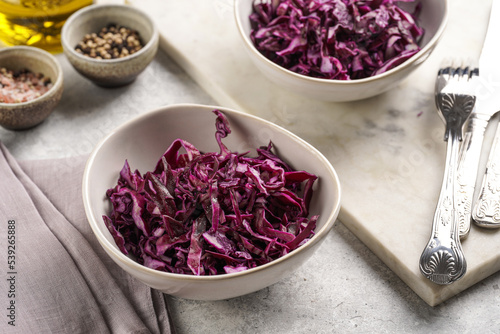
88 112
344 288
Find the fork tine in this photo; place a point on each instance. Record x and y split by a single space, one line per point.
442 78
457 80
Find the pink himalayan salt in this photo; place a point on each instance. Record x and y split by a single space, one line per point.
22 86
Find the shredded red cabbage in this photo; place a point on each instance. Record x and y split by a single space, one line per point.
211 213
335 39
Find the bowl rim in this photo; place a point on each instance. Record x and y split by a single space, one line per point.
109 247
413 59
155 35
47 57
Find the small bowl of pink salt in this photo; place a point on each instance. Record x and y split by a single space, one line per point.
31 86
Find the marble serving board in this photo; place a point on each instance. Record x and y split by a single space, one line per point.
388 150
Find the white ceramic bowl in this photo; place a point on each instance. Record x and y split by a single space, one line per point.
143 140
433 19
111 72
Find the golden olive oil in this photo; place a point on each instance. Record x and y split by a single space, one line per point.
36 22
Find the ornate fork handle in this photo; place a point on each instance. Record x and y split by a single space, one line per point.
442 260
468 158
487 209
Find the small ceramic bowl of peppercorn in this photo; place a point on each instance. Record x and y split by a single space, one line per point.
110 44
31 86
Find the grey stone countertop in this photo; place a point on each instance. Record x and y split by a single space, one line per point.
343 288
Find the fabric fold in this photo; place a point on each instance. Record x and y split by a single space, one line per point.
62 280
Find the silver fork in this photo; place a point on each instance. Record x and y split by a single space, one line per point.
443 260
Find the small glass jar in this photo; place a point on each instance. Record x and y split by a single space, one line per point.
36 22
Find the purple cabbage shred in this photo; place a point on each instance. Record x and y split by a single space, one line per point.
335 39
211 213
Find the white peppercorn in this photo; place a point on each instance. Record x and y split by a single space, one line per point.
111 42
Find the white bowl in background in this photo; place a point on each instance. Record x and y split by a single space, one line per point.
433 19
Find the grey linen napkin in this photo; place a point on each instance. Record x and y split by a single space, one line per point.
56 278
